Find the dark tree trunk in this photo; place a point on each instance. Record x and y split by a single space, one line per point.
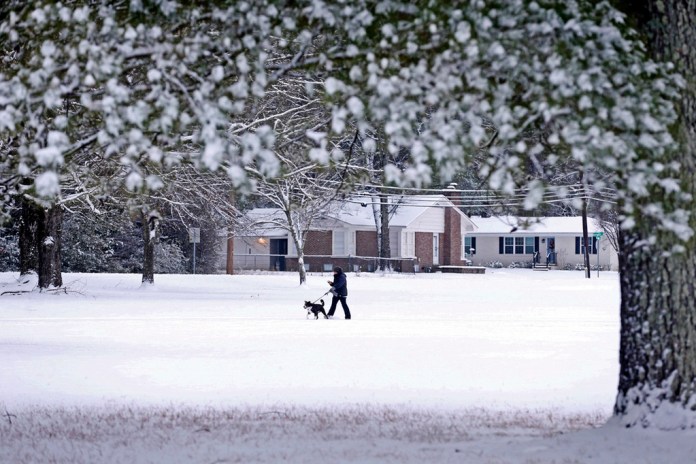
585 239
230 256
150 221
28 237
384 248
50 231
657 384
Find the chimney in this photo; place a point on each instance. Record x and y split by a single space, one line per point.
452 240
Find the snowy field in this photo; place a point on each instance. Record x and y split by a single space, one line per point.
513 366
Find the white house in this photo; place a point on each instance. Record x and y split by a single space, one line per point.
557 240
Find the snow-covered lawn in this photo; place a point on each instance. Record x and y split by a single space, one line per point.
432 368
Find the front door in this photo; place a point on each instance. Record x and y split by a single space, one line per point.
279 248
436 249
551 250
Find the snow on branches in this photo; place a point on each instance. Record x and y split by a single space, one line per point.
134 84
157 82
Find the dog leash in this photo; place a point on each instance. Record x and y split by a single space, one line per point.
321 297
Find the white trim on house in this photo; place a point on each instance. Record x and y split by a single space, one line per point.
436 249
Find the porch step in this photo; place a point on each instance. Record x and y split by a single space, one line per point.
541 267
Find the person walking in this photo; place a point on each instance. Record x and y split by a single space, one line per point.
339 290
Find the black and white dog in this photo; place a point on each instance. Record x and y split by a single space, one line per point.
314 308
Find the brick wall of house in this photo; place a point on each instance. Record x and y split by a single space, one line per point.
424 249
454 231
442 249
318 242
446 243
366 243
452 240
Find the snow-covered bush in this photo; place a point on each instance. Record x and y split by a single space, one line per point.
494 264
9 253
521 265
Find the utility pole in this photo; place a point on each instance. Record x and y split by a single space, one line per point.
585 238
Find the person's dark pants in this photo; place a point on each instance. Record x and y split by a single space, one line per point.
334 301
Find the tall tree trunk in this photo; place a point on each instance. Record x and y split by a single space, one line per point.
150 221
585 239
50 233
298 238
28 236
300 267
385 246
657 384
229 264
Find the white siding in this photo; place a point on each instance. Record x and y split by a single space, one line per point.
251 245
431 220
246 251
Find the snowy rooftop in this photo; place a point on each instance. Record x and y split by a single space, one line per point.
409 208
359 211
260 221
539 225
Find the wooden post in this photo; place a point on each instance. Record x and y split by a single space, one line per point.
230 255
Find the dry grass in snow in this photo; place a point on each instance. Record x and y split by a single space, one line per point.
358 433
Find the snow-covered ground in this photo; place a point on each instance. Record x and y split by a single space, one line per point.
432 368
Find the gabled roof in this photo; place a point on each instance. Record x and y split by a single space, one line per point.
358 211
259 223
503 225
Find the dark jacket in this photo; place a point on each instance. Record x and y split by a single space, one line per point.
340 284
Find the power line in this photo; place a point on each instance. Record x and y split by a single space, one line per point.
573 187
480 204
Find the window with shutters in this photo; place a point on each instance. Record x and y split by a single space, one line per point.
469 246
580 246
518 245
529 247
